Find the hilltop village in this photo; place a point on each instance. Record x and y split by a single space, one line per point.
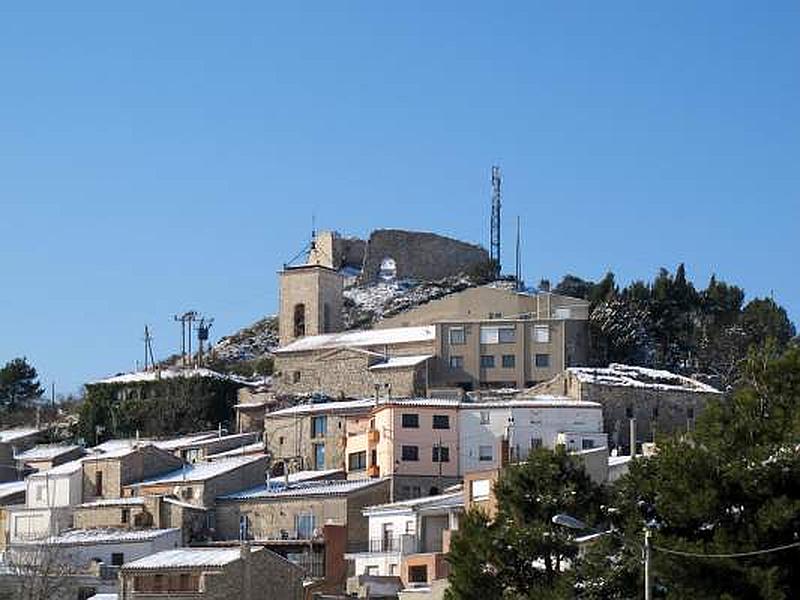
347 471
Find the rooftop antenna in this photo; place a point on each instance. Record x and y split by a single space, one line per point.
148 349
518 269
495 232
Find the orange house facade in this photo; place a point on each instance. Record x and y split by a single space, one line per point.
413 441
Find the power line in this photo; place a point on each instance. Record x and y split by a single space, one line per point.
733 555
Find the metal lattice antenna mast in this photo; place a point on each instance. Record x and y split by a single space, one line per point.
495 234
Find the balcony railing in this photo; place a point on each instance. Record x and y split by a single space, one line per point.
402 544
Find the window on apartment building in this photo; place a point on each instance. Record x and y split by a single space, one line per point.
185 582
487 361
441 421
393 569
509 361
319 426
541 334
373 457
485 453
457 336
495 315
117 559
507 335
541 361
98 483
410 453
587 444
441 454
371 570
410 420
486 417
536 443
296 377
125 515
188 493
456 362
304 525
480 489
563 313
319 456
357 461
418 574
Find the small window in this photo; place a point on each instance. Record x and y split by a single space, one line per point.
117 559
536 443
98 483
456 362
319 456
485 453
410 453
188 493
587 444
485 417
487 361
490 335
507 335
457 336
481 489
441 454
690 412
299 320
441 422
304 524
509 361
296 377
125 515
319 426
410 421
542 361
418 574
541 334
357 461
280 440
371 570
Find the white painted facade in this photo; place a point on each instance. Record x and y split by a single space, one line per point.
526 424
404 528
49 501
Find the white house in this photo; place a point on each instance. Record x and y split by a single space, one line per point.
50 497
543 421
402 529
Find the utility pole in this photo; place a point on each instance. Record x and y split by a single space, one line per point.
203 328
648 592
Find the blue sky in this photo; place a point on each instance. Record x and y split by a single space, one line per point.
166 156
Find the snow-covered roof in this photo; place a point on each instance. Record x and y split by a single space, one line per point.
75 537
365 337
147 376
449 500
201 471
46 452
12 487
277 489
185 441
533 402
68 468
185 558
130 501
243 437
640 377
109 596
253 448
10 435
182 504
324 407
399 362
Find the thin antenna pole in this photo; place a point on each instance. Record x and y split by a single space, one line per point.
495 221
518 271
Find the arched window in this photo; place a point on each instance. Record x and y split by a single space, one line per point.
388 270
299 320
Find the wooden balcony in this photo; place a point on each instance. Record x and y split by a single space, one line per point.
373 436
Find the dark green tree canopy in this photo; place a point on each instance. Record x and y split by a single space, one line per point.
19 384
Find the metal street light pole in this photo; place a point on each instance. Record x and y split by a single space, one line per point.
648 592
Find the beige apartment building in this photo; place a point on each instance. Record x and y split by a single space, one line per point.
480 338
